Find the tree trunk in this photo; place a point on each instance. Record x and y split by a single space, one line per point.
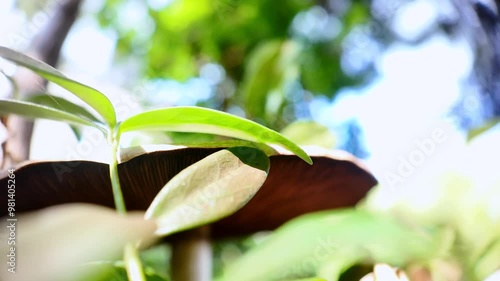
46 47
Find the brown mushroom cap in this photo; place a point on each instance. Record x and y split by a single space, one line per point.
292 188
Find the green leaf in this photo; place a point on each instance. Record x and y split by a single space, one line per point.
268 150
478 131
63 105
488 262
337 264
67 106
76 131
156 259
261 77
309 133
321 70
91 96
181 138
210 189
313 239
32 110
272 66
203 120
309 279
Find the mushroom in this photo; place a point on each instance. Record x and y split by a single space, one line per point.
291 189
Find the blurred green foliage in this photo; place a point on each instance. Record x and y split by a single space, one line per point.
327 243
261 45
272 66
155 261
309 133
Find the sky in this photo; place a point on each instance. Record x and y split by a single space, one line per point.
414 94
407 105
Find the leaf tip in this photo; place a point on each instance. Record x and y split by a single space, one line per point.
308 159
303 155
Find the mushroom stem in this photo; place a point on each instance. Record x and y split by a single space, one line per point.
192 256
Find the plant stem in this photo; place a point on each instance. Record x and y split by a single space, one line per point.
113 173
133 264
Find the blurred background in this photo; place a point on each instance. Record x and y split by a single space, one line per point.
379 75
402 84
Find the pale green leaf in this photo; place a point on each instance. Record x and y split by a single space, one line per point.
210 189
301 246
309 133
488 262
271 68
72 235
32 110
309 279
268 150
67 106
63 105
91 96
203 120
261 77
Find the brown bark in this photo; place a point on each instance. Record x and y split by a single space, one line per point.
46 47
